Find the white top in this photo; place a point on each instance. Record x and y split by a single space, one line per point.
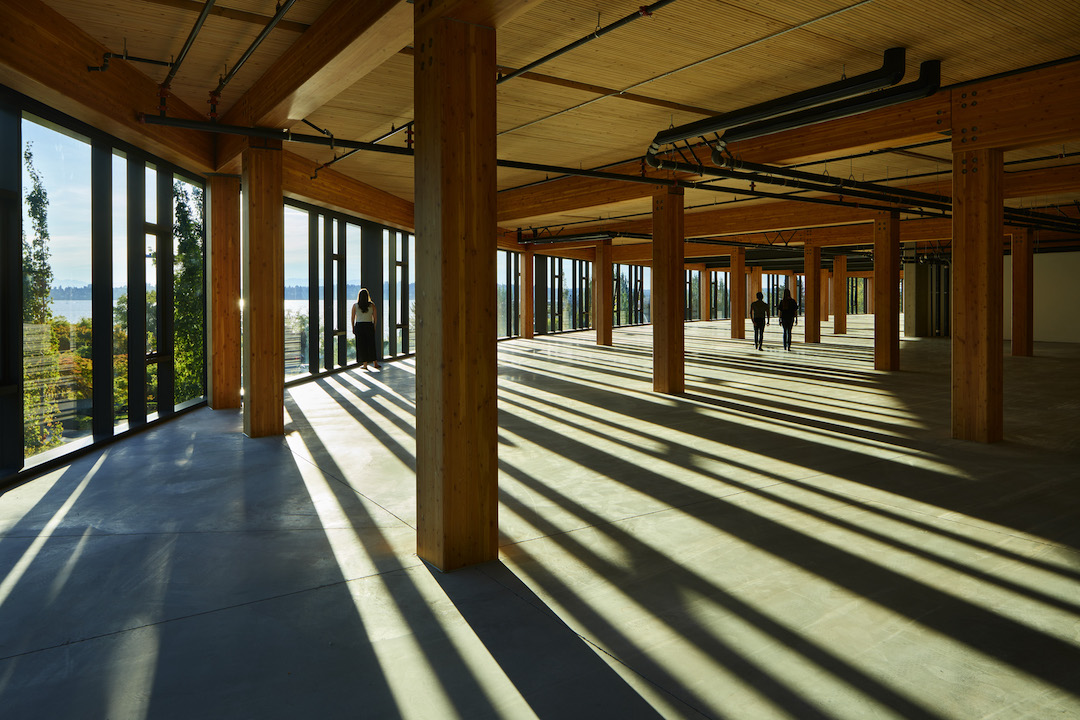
362 316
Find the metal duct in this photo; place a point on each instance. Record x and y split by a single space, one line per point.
928 83
891 72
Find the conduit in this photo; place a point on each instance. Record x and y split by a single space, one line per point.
891 72
215 94
887 200
644 11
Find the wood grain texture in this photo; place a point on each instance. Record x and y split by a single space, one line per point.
826 294
336 191
1023 293
737 293
456 418
263 261
1032 108
603 281
668 312
839 294
811 308
527 310
887 292
977 331
223 201
46 56
349 40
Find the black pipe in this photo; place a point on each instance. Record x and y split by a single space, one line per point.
928 83
124 56
891 72
842 186
187 44
642 12
1024 218
270 25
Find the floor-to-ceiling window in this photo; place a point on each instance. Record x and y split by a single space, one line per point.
632 297
719 299
329 257
508 293
109 311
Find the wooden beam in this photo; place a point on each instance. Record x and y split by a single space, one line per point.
887 292
527 322
839 294
977 332
737 293
924 119
1033 108
195 7
704 295
1023 293
223 241
264 291
668 313
349 40
340 192
46 57
456 374
812 294
826 294
603 293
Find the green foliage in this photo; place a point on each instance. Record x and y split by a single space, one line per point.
190 305
42 391
37 272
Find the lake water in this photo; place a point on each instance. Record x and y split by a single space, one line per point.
76 310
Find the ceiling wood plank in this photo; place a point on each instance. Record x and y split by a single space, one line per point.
46 56
339 192
1032 108
349 40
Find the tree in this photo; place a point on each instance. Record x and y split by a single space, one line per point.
37 272
189 304
42 428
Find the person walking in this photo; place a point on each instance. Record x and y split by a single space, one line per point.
759 315
788 312
364 317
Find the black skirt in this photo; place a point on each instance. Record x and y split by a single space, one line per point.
365 341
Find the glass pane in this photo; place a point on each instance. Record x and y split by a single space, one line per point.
297 352
384 310
412 294
189 346
502 311
352 280
119 324
57 370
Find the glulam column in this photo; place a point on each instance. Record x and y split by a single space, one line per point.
527 305
755 282
839 294
223 203
737 293
705 294
1023 293
668 311
812 295
456 420
263 259
602 293
977 322
826 295
887 291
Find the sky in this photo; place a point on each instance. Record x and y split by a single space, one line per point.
62 159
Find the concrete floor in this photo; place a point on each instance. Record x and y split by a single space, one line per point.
795 537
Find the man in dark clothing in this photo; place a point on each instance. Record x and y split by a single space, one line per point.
759 314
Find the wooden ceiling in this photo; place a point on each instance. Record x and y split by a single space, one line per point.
602 103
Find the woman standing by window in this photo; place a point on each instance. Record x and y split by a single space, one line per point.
363 322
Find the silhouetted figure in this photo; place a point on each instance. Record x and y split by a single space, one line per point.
363 322
788 312
759 315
